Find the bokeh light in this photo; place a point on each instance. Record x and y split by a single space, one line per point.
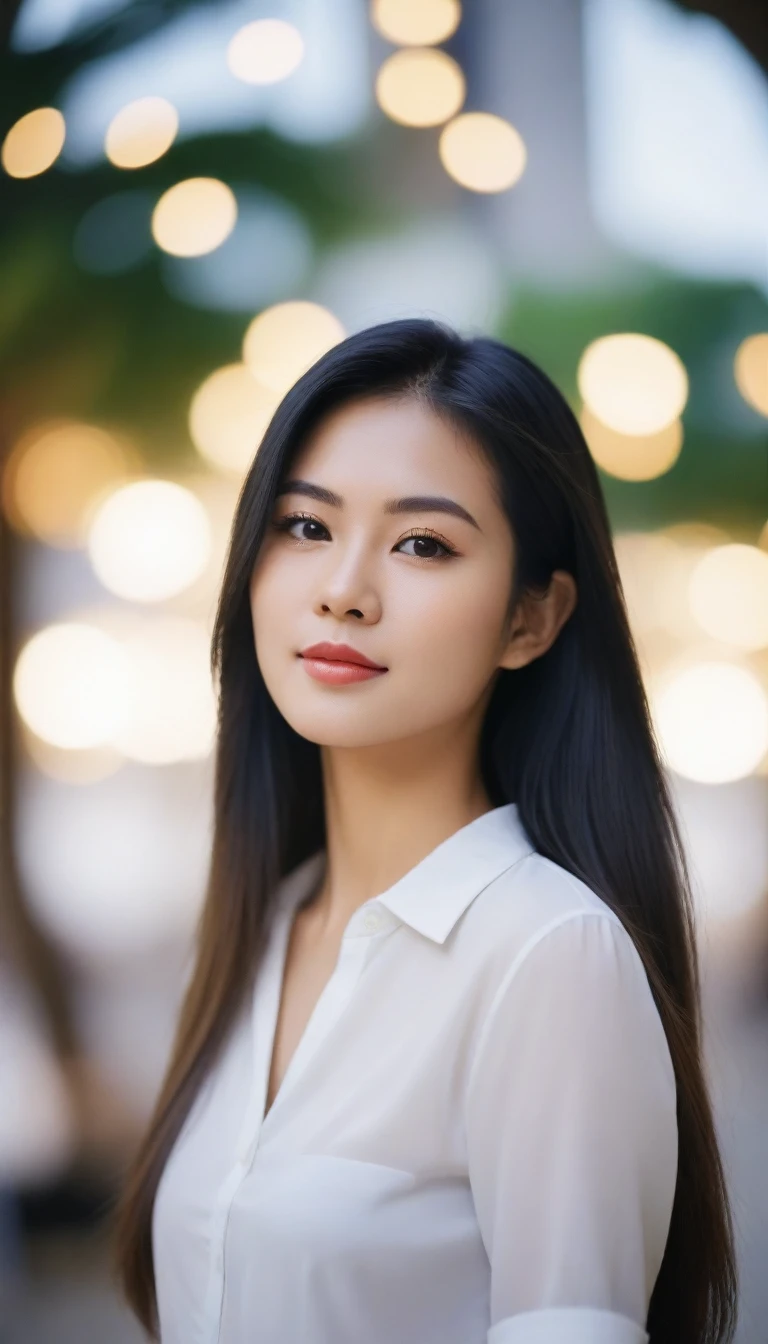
751 371
655 569
56 474
265 51
218 493
228 416
268 254
114 871
695 534
632 457
418 23
194 216
729 595
420 86
712 721
633 383
170 708
149 540
141 132
647 561
33 143
283 341
75 766
482 152
69 684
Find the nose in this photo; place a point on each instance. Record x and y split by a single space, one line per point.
348 589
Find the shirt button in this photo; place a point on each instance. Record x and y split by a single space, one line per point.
371 922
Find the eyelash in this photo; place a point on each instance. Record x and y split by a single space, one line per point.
283 524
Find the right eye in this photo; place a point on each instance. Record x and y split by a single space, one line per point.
285 524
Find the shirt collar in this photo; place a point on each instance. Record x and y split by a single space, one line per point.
432 895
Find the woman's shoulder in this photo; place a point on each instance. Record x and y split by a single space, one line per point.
539 903
538 942
533 894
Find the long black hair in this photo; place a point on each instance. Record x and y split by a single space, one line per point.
568 738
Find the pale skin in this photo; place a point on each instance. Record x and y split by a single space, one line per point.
399 752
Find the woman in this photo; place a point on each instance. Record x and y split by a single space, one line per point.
438 1072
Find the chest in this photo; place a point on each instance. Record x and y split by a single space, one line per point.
355 1047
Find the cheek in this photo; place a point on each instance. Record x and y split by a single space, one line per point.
448 651
459 624
270 594
271 620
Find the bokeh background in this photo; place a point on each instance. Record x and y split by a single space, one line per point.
198 199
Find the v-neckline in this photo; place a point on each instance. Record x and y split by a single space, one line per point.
292 916
265 1007
289 917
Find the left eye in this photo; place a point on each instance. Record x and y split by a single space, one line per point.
421 538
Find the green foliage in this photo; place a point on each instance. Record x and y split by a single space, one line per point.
121 350
722 472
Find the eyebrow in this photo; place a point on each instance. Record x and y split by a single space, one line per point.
410 504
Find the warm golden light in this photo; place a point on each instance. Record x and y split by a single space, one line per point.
218 492
88 765
712 721
69 684
420 86
194 216
695 536
228 416
416 23
55 475
632 383
656 569
285 340
751 371
632 457
482 152
170 709
33 143
647 562
729 595
265 51
149 540
141 132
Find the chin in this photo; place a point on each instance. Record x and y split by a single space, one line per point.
345 727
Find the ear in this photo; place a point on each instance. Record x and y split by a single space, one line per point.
538 620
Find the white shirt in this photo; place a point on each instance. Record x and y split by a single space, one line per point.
475 1141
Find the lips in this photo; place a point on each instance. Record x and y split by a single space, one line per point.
340 653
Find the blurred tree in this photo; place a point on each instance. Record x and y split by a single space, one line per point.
746 19
118 348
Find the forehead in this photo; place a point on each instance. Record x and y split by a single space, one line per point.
393 441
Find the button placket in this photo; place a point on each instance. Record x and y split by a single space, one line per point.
263 1019
353 957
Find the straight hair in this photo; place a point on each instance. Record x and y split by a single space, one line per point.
568 738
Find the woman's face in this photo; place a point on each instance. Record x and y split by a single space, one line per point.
355 574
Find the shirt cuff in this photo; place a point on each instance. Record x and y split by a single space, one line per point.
567 1325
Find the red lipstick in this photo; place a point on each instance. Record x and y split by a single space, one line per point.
338 664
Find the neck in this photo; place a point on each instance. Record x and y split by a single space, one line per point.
385 811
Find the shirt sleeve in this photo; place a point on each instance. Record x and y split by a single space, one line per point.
571 1125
